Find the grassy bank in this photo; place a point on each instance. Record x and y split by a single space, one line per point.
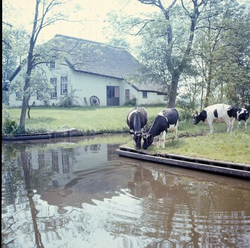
234 147
231 147
94 119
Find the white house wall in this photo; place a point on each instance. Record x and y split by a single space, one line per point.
59 71
152 98
88 85
85 86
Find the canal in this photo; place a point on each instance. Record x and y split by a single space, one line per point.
77 192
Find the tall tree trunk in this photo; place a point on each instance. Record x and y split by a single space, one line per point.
209 82
23 111
194 14
201 99
173 91
26 96
33 39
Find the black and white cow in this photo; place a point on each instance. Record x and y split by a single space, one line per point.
137 118
242 114
216 113
167 119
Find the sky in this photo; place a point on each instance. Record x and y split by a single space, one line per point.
92 13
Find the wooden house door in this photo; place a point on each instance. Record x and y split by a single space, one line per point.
113 96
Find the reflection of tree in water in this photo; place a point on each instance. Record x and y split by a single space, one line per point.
145 185
167 209
10 189
25 157
179 210
36 165
24 180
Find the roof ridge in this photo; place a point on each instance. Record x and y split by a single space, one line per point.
90 41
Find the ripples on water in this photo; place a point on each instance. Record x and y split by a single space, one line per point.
79 195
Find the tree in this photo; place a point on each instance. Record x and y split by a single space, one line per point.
176 69
222 51
235 72
166 40
42 19
14 45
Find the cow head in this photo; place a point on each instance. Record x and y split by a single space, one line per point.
242 115
137 135
200 117
232 112
147 140
247 115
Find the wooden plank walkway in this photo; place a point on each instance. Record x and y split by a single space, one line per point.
53 134
212 166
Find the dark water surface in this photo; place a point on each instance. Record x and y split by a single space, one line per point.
77 192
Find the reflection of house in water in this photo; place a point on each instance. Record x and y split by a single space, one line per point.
94 173
71 170
81 172
67 161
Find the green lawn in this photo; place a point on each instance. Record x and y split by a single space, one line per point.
96 119
231 147
234 147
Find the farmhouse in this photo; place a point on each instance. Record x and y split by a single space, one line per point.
97 74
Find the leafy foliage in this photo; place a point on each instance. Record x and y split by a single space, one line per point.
131 102
68 100
218 59
9 125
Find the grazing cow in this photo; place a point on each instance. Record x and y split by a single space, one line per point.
137 119
167 119
216 113
242 115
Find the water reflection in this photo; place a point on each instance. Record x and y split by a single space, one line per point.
69 194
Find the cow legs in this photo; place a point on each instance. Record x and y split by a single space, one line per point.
239 124
163 138
230 124
176 130
133 140
210 124
228 127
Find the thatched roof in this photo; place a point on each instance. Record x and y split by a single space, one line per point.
96 58
85 56
101 59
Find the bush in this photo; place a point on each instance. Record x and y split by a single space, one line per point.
68 100
131 102
9 126
186 109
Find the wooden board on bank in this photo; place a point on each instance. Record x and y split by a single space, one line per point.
208 165
53 134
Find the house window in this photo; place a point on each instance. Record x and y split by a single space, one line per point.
52 64
53 81
39 96
18 96
144 94
127 95
64 85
